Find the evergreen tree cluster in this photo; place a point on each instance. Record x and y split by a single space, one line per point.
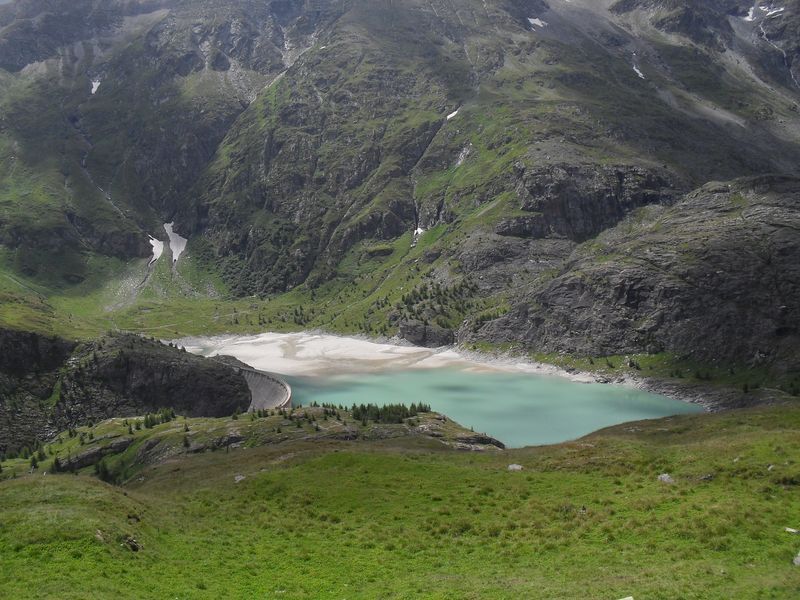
25 452
445 305
164 415
390 413
262 413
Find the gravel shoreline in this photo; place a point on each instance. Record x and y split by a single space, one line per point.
317 351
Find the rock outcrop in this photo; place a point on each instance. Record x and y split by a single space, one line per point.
421 334
48 385
579 201
715 277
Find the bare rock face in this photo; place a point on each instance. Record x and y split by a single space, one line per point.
578 202
702 21
716 277
430 336
479 439
123 375
23 353
48 385
92 455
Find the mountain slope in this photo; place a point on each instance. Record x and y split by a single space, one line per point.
418 168
713 277
48 385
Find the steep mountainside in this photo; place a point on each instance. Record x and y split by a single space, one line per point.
419 167
408 116
714 277
48 385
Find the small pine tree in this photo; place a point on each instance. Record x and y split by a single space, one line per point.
186 441
34 462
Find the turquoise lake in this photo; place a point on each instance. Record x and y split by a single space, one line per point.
503 399
519 409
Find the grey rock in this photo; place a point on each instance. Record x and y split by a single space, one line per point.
578 202
431 336
479 439
52 385
93 455
646 285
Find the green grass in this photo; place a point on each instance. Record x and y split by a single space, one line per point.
399 519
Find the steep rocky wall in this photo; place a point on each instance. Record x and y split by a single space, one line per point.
580 201
22 352
118 375
715 277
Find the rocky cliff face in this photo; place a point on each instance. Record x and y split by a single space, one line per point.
24 353
287 133
146 92
54 385
714 277
578 202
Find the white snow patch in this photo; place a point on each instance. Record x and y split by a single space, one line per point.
158 249
177 243
751 15
537 22
776 11
453 114
639 72
418 231
95 86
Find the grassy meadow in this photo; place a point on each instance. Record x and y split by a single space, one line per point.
408 517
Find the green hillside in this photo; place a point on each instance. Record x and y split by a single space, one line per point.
406 517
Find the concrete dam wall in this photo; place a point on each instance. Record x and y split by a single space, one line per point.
267 390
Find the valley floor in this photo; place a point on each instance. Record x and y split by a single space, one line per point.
406 517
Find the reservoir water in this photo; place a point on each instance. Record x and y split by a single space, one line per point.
518 403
